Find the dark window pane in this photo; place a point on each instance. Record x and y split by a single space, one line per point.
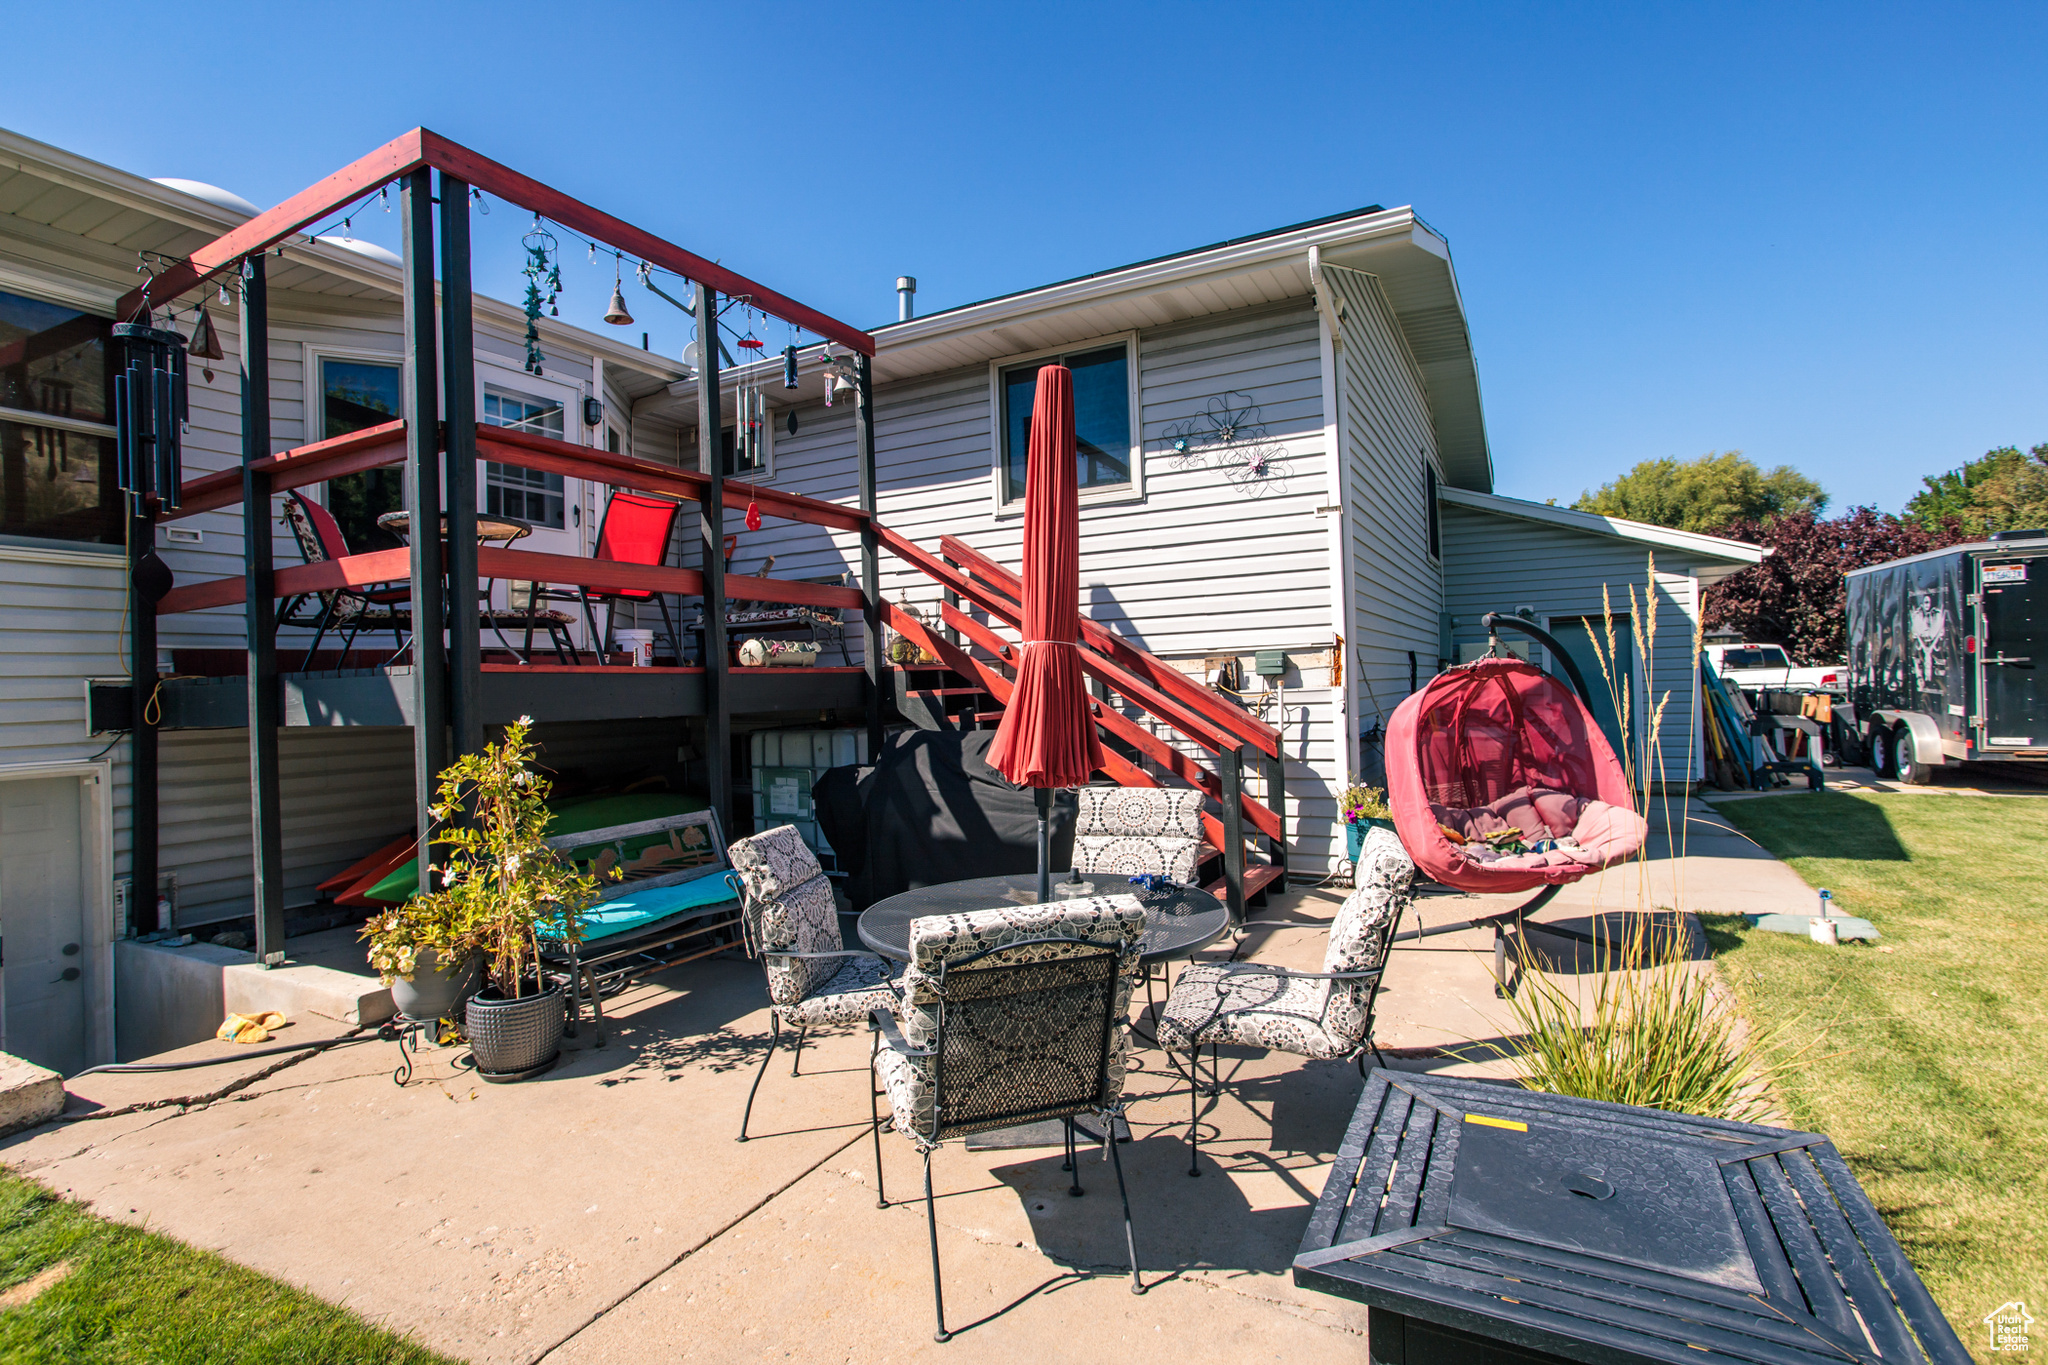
55 360
1102 418
58 485
355 394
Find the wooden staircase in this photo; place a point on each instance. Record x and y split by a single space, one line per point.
967 688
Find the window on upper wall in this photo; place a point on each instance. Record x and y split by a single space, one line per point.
756 462
530 495
1429 483
57 457
355 395
1102 418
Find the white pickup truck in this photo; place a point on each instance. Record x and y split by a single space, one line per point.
1753 665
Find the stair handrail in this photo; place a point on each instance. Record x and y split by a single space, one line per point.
1247 728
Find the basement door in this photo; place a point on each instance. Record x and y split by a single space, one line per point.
42 921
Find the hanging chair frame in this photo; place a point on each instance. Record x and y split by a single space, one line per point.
1517 918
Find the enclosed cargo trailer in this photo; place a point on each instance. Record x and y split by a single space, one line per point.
1944 649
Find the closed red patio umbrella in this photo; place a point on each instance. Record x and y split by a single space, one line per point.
1047 738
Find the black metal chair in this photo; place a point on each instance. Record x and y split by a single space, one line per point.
1009 1016
1326 1015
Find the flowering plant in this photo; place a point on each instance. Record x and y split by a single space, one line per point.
1365 803
500 883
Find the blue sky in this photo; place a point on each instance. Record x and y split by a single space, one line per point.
1812 233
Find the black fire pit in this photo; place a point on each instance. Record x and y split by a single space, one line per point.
1484 1223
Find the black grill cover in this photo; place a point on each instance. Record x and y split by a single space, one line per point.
932 811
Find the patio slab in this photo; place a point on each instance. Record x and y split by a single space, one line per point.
604 1212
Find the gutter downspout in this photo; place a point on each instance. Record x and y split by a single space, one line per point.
1337 500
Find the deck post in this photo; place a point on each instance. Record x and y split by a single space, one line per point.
870 549
1276 788
142 736
1230 769
266 805
458 366
423 455
711 456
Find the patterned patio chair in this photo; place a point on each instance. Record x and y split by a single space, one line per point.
345 611
1009 1016
1326 1014
1136 830
792 925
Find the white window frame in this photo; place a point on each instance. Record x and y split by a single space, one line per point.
1134 491
769 415
576 493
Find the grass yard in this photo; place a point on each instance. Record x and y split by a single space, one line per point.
132 1296
1933 1077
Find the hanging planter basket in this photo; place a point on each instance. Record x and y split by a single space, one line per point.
513 1040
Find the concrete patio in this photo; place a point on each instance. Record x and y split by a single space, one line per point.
604 1212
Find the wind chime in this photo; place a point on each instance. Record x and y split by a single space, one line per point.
542 272
750 416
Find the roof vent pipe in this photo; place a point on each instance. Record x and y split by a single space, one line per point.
906 297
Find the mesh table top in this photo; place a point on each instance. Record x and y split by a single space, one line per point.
1179 920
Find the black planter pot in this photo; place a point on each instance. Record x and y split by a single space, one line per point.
437 990
514 1039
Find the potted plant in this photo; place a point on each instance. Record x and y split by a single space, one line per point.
501 886
425 957
1363 808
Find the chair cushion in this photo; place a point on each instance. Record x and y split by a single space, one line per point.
1131 855
1169 811
1364 929
939 940
787 908
630 913
1236 1003
861 986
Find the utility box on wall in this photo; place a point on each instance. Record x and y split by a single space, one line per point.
786 764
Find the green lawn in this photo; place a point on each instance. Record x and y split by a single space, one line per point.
132 1296
1932 1079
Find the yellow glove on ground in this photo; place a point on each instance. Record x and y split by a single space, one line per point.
249 1028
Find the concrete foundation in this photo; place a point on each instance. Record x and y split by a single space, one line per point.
167 998
29 1094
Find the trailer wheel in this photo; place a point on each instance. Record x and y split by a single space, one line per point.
1908 768
1880 748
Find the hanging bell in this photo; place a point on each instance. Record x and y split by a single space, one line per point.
615 313
205 343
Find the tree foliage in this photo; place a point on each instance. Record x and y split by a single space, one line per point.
1705 494
2006 490
1796 597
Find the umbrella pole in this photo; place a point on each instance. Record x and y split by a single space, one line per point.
1044 844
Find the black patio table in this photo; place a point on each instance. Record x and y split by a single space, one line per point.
1179 920
1484 1223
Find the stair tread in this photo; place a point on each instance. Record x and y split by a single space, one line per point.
1257 877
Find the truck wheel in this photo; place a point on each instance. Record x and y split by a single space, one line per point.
1880 748
1909 769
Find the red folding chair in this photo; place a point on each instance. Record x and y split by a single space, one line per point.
637 529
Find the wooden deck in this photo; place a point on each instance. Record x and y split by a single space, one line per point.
384 696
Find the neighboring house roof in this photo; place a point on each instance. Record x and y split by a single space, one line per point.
65 206
1412 262
1700 551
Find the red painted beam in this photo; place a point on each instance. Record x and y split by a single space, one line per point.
583 462
528 193
418 148
370 448
610 576
1183 689
351 571
395 158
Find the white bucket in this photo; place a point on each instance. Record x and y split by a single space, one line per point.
1821 929
639 644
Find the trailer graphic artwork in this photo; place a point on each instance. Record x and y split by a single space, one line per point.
1927 627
